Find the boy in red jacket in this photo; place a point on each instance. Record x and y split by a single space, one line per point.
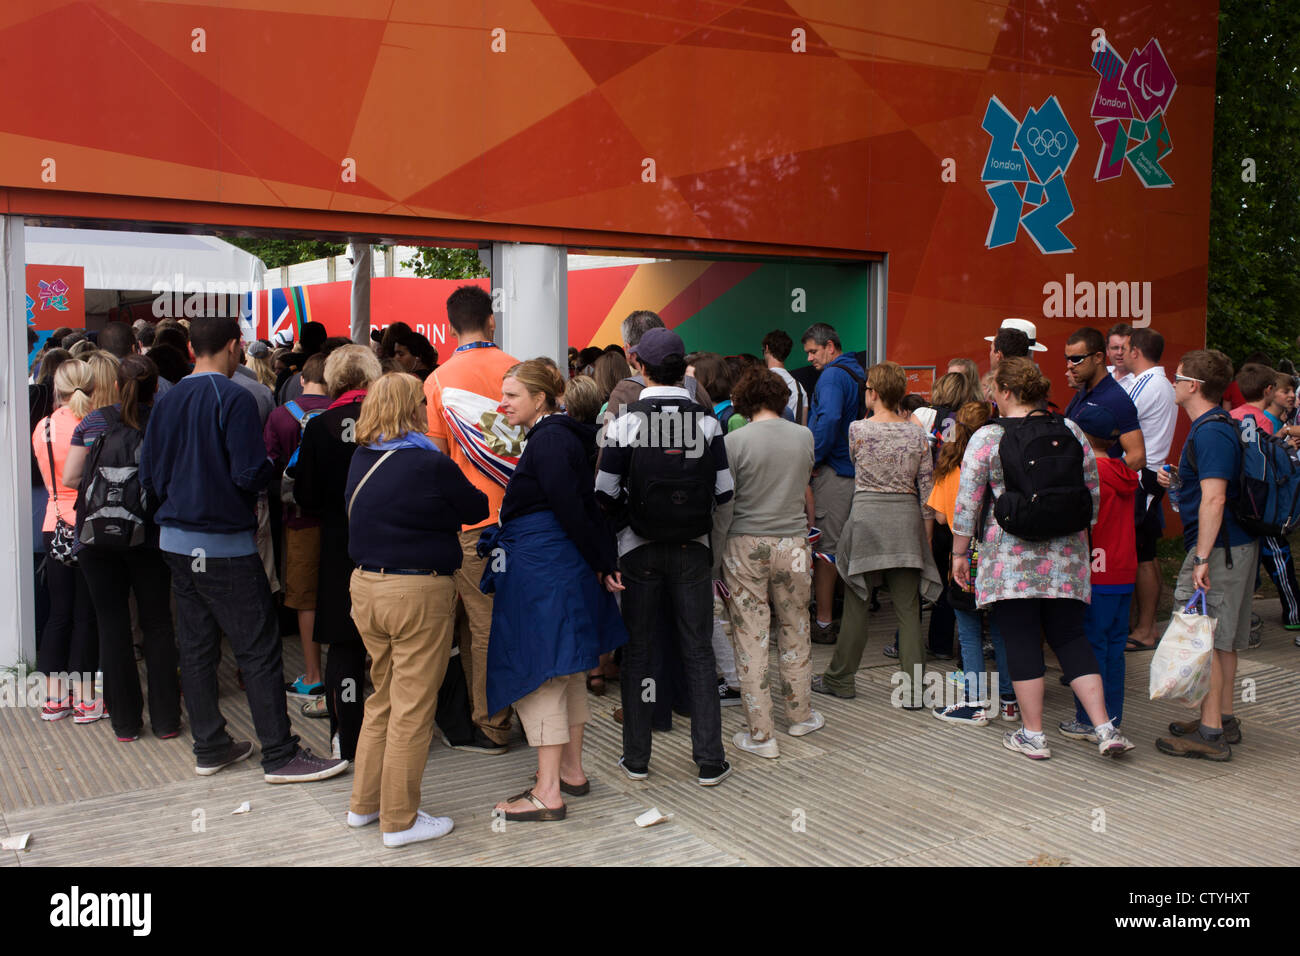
1114 568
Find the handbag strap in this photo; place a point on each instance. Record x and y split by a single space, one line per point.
54 478
1197 597
365 478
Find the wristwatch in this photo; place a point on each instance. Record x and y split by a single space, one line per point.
1197 561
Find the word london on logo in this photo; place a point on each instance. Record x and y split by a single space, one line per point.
77 909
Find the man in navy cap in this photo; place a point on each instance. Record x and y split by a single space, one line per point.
662 470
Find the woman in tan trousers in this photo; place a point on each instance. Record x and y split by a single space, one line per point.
406 503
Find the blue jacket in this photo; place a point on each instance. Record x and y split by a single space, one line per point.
203 457
834 407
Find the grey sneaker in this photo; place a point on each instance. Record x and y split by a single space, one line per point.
306 767
239 750
1077 730
1112 743
1023 743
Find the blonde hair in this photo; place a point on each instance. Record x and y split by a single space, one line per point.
582 399
73 384
260 365
391 408
83 348
540 375
103 372
349 367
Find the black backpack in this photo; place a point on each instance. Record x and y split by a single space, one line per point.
114 508
670 490
862 389
1042 463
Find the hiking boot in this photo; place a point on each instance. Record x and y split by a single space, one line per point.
306 767
819 686
1231 728
825 633
237 751
1194 745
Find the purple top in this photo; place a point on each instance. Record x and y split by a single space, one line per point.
282 435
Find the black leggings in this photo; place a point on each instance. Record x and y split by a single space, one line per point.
69 640
1024 623
345 686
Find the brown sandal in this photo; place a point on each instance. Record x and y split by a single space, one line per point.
596 684
541 814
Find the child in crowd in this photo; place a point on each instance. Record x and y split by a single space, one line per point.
1114 569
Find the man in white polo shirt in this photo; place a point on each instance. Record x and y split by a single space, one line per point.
1149 387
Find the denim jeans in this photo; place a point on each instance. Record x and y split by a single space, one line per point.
1106 623
230 596
672 579
970 635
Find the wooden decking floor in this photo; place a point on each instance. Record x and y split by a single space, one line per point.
877 786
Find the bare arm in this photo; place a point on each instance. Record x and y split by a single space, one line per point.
1135 449
74 465
1214 496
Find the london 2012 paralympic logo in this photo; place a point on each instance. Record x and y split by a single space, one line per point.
1129 111
1025 167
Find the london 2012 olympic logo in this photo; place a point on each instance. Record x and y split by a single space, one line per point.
1025 167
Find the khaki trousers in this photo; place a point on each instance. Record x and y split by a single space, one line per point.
406 622
475 623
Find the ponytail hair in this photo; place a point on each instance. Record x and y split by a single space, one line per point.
137 380
73 385
103 371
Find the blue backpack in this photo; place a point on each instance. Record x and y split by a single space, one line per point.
1268 499
302 418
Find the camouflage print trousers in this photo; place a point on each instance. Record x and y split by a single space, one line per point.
758 570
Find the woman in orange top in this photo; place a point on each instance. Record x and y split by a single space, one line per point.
69 643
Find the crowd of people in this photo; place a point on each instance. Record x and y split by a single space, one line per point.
486 537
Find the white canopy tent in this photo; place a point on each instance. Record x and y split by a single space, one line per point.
138 263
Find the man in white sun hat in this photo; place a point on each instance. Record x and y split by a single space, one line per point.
1015 339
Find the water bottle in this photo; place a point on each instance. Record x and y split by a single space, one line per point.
1175 482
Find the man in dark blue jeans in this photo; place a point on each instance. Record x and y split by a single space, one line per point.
663 571
203 459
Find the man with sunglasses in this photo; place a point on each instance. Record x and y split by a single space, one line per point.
1085 370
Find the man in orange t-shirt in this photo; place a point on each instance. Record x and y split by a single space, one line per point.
463 395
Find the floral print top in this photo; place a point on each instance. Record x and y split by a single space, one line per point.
892 458
1011 568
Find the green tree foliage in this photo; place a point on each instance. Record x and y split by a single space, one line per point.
288 252
1254 282
434 263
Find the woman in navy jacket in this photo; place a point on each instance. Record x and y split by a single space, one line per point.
553 568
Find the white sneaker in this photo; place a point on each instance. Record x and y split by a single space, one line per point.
426 827
767 748
1113 743
815 722
358 820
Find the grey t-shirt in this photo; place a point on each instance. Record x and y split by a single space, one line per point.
770 463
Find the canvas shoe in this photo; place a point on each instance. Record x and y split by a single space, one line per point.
299 687
306 767
1010 709
1022 743
713 774
358 820
962 714
727 696
1077 730
237 751
1112 743
815 722
426 827
747 743
633 773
